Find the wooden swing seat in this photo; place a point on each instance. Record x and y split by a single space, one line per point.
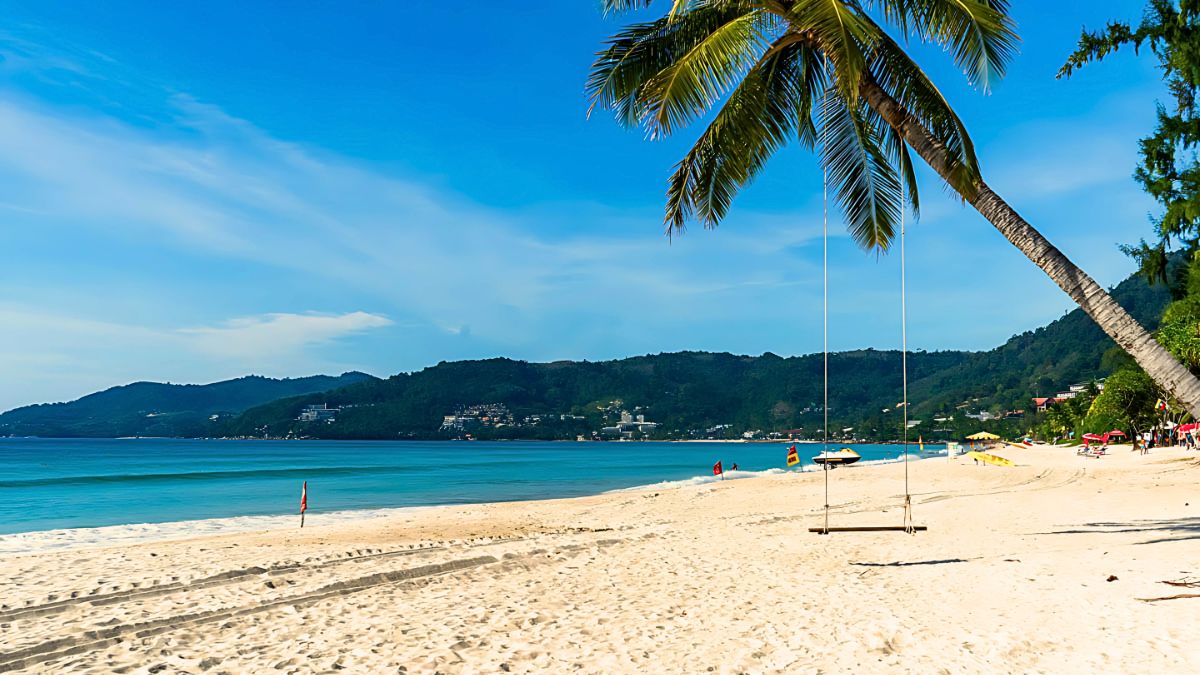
870 528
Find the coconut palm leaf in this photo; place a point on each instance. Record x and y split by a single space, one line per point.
979 34
702 75
643 51
773 104
842 35
865 182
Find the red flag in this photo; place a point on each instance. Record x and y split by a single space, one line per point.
304 497
717 470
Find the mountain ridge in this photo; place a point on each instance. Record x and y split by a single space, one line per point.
153 408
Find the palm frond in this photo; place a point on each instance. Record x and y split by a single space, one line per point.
773 104
898 155
697 79
842 34
642 51
865 182
622 6
980 35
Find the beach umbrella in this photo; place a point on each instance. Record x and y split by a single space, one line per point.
1116 432
983 436
1095 437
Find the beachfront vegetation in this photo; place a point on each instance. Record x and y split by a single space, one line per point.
829 74
1169 169
1127 403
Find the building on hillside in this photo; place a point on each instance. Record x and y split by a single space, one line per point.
459 422
318 413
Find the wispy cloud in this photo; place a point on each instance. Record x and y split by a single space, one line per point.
256 337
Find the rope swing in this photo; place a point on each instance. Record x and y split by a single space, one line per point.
908 525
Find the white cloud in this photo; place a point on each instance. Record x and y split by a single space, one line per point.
256 337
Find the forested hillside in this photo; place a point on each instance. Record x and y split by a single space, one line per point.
154 409
691 393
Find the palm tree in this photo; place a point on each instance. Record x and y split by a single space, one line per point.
829 74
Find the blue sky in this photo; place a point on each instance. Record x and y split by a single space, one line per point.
196 191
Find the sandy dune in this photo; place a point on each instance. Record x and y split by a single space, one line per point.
1012 576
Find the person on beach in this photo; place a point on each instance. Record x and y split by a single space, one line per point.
734 467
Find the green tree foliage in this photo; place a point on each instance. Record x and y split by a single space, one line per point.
1169 169
1179 331
1064 418
1127 403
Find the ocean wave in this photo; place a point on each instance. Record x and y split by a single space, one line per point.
698 480
295 472
110 535
807 467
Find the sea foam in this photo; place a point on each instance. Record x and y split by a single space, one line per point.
807 467
112 535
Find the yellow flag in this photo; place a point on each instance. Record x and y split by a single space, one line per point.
793 457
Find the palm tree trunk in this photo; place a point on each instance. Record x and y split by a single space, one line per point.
1158 363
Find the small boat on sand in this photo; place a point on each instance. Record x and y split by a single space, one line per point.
837 457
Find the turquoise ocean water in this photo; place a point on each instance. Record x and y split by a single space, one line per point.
48 484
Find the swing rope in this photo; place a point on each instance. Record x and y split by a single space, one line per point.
908 526
908 517
825 324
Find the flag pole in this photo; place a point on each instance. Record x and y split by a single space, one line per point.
303 502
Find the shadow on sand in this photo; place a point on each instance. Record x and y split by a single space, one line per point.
1171 529
909 564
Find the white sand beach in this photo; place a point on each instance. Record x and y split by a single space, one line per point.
1044 567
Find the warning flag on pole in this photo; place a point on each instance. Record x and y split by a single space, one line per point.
793 457
303 502
717 470
1160 404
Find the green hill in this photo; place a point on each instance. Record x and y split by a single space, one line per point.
691 393
154 409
